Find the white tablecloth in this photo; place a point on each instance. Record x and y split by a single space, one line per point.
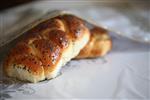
122 74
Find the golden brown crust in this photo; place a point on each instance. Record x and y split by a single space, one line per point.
31 63
99 44
22 54
74 26
59 37
42 46
48 52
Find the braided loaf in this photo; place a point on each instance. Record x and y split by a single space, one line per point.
45 48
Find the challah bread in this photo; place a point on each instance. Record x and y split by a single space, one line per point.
99 44
45 48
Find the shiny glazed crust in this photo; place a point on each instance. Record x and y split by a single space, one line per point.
99 44
45 48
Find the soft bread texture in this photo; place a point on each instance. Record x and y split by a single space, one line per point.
45 48
100 44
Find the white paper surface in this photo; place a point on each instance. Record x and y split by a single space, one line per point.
122 74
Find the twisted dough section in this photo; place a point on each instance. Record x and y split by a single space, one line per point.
45 48
100 44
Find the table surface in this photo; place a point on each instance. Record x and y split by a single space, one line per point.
122 74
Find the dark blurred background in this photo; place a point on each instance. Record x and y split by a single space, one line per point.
5 4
